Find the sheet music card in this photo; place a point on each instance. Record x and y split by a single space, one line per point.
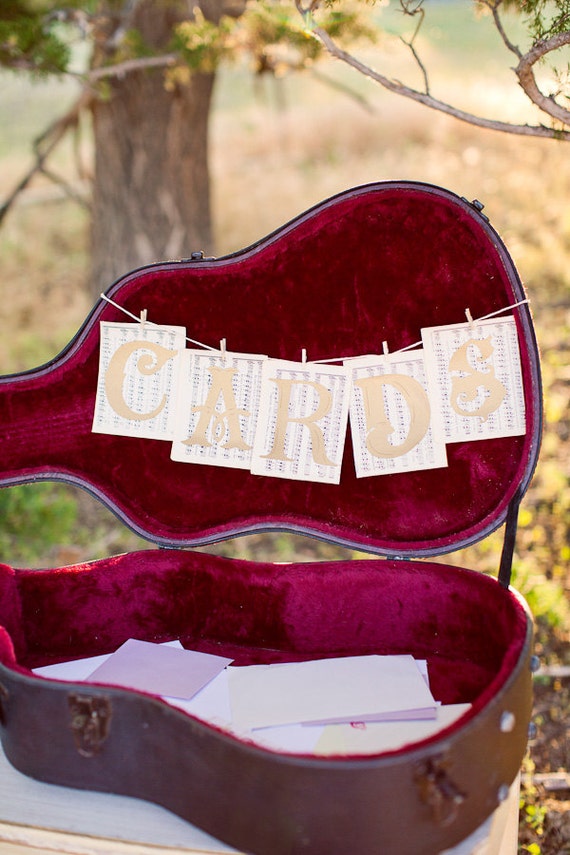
219 401
302 421
475 379
394 427
138 365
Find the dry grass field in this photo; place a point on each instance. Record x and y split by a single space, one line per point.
278 147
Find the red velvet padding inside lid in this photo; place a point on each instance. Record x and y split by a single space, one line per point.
373 264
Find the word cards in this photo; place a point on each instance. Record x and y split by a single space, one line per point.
283 419
138 369
394 428
475 378
302 422
219 402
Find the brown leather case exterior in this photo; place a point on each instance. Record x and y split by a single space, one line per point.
422 800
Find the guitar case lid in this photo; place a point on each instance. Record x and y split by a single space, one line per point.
373 264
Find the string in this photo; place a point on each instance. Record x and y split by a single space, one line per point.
151 323
472 321
506 309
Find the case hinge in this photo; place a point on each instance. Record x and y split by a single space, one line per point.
478 206
198 256
90 722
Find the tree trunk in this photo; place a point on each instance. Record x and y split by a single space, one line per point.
151 194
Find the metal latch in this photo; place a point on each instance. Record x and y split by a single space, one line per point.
90 722
438 790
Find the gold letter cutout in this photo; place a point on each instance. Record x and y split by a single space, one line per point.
465 389
147 364
317 439
221 386
378 426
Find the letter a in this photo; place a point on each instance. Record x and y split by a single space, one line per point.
221 387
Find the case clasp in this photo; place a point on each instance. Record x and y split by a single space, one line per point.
90 722
438 790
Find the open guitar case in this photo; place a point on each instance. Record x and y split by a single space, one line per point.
375 263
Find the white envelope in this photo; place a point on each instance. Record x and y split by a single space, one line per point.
324 690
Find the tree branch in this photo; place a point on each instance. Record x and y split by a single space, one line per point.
493 5
341 87
419 63
66 187
527 80
119 69
44 145
420 11
436 104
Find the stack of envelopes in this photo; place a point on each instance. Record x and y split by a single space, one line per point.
355 704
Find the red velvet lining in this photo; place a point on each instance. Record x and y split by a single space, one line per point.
469 628
374 264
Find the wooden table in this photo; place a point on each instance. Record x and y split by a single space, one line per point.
41 818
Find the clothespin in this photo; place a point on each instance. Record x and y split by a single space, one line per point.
469 317
143 319
303 355
223 349
385 348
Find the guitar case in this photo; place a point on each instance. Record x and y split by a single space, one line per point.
377 263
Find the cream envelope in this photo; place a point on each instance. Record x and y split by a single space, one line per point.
326 690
